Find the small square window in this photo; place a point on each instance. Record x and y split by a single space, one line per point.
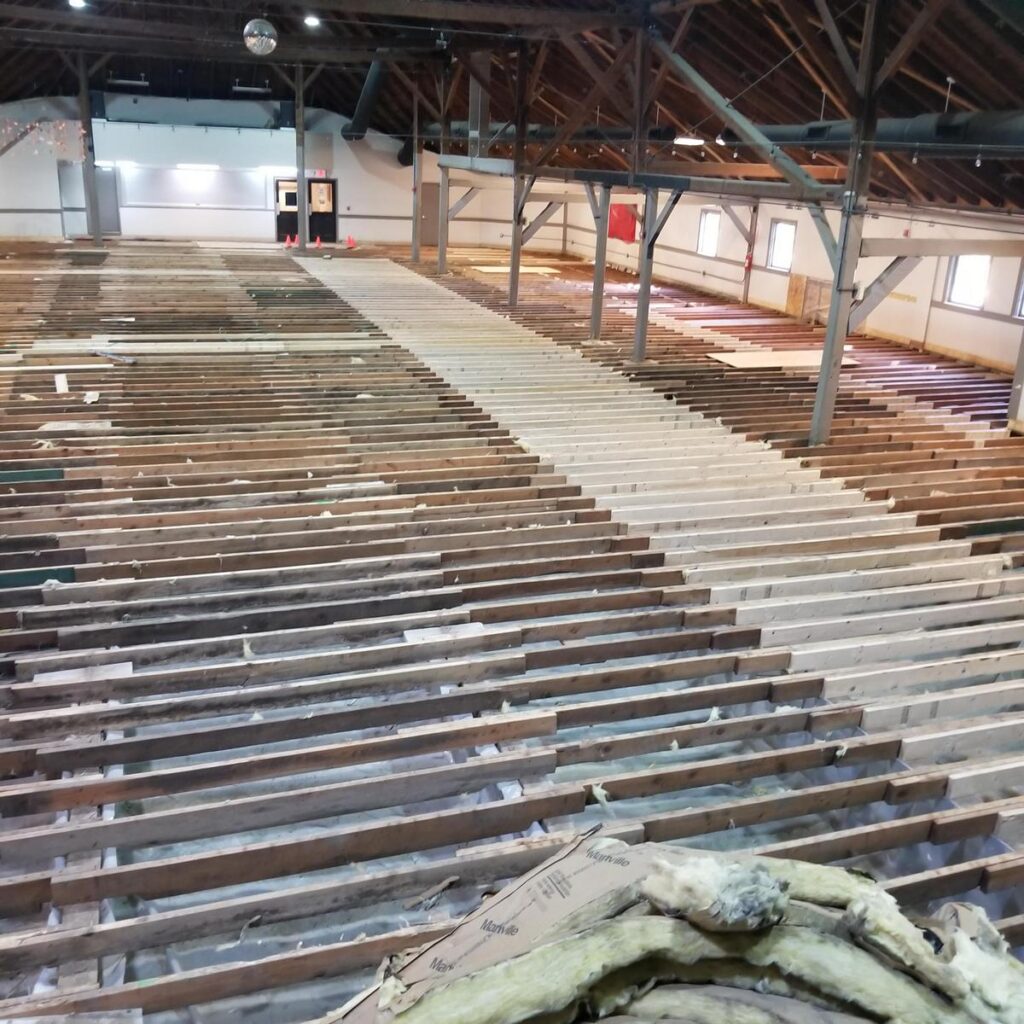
781 240
968 281
707 233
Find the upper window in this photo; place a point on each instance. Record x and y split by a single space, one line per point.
780 244
707 233
968 280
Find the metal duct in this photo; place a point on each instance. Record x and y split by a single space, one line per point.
376 76
934 135
502 131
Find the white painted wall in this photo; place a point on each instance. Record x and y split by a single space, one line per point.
374 192
916 312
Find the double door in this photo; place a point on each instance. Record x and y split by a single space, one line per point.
320 196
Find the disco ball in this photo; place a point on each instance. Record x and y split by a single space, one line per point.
260 37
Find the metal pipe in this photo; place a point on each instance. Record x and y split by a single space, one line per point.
959 134
373 84
92 199
501 131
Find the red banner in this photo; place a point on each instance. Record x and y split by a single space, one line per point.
622 222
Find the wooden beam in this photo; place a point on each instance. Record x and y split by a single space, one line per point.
923 21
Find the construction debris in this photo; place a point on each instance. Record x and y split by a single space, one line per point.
662 933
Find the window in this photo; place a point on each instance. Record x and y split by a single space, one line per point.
707 233
1018 309
780 244
968 281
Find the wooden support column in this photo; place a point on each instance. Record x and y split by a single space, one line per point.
92 199
852 224
301 185
600 207
417 181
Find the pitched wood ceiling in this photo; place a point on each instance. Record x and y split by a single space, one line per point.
780 61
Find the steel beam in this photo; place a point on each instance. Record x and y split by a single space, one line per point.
520 197
600 207
92 199
743 126
302 187
1015 411
748 261
479 103
462 202
742 228
653 223
520 187
828 240
443 191
540 220
852 224
882 285
942 247
442 223
417 181
23 133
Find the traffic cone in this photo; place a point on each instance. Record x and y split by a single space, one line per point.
318 244
350 242
287 241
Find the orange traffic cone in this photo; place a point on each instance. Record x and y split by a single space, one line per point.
350 242
318 244
287 241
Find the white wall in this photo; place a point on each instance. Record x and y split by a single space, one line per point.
916 312
157 200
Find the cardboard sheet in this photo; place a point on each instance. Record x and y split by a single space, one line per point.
514 921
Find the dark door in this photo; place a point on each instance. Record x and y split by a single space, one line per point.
429 212
286 208
323 220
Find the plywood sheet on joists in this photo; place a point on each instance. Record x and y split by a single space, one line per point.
767 358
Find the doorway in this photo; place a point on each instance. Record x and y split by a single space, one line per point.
430 198
72 199
320 197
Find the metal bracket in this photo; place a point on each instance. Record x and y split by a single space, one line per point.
663 216
880 287
828 239
540 220
743 229
462 202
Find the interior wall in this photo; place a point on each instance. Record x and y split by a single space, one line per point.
916 312
157 199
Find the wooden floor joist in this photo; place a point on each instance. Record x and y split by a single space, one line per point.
323 598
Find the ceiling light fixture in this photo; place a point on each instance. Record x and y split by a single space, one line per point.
687 140
311 21
77 4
